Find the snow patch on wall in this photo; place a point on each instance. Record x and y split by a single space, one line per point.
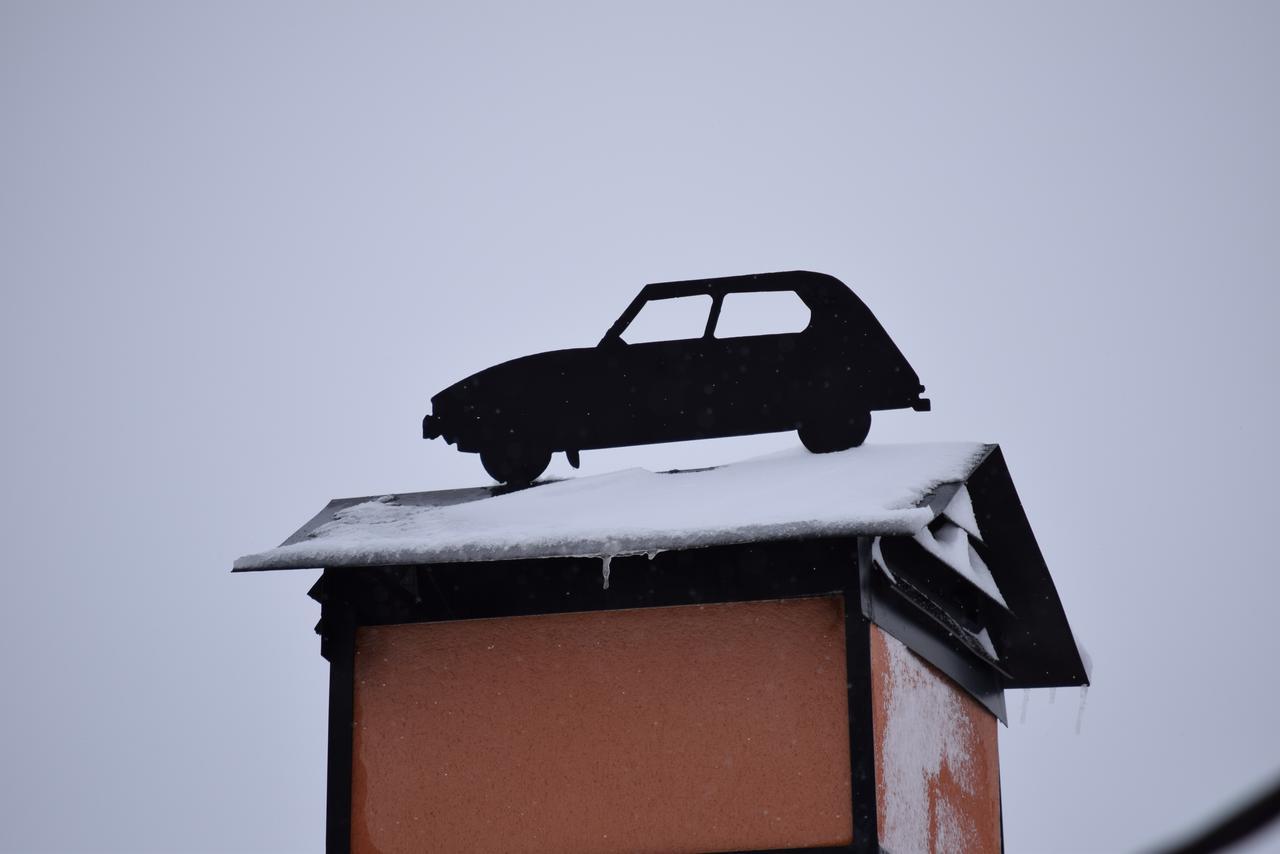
927 729
955 830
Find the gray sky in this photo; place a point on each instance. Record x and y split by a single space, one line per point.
242 244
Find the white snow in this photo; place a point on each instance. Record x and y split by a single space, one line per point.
926 727
874 489
950 544
960 511
956 830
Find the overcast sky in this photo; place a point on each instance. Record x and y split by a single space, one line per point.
242 244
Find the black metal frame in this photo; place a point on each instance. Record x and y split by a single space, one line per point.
338 644
760 571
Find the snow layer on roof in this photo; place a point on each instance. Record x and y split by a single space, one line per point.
875 489
960 511
950 544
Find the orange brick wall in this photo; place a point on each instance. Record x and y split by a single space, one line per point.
687 729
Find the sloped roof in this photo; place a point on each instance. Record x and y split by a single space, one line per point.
872 490
946 559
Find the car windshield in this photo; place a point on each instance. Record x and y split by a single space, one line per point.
670 319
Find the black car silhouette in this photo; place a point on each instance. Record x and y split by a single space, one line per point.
822 377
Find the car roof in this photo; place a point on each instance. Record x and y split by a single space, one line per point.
807 284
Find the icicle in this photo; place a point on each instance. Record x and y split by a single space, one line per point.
1053 695
604 569
653 554
1026 701
1084 695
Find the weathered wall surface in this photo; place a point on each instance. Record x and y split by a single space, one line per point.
699 728
937 767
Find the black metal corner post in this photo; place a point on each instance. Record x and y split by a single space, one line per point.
862 736
339 643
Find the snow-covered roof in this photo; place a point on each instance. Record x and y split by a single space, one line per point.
871 490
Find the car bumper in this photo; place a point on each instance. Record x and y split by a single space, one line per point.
430 427
922 404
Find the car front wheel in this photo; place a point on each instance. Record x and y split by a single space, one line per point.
824 435
515 462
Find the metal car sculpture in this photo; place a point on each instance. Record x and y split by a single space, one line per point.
823 380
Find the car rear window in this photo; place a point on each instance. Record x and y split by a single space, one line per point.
672 319
761 313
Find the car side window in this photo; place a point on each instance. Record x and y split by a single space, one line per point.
671 319
761 313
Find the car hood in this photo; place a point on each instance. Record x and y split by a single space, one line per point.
522 379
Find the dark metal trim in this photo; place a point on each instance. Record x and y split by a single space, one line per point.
339 639
1037 648
862 737
461 591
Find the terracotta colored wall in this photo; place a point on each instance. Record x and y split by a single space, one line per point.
699 728
937 768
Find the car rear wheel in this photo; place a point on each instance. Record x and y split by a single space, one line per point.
515 462
824 435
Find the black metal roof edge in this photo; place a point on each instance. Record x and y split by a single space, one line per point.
435 498
1038 646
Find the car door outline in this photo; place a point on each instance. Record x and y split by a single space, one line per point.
757 385
652 388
